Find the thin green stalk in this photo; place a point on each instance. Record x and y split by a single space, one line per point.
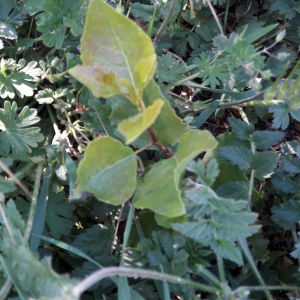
221 269
251 184
295 238
209 276
152 22
251 103
127 230
245 249
272 288
51 114
215 16
14 178
135 273
226 15
164 23
5 289
6 222
37 39
21 174
187 79
37 182
52 51
179 15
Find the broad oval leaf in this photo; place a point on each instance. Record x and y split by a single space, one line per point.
133 127
106 51
159 190
108 171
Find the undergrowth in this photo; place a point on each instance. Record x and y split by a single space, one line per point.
149 149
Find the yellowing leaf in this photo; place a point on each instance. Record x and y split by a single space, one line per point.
168 127
114 44
159 191
133 127
108 171
100 83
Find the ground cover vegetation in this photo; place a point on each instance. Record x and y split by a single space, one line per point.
149 149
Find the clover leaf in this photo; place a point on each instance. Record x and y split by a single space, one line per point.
16 134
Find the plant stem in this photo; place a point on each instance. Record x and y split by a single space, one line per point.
209 276
6 223
149 33
37 182
187 79
226 15
251 184
221 269
51 114
5 289
133 272
143 148
215 16
270 288
245 249
245 103
102 124
21 174
158 144
14 178
164 23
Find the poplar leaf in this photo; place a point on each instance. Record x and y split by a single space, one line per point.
108 171
159 191
133 127
109 56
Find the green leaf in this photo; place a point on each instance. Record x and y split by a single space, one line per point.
43 96
168 127
281 115
143 12
291 165
16 134
159 190
40 211
238 156
59 212
208 110
296 253
287 212
8 31
191 144
108 171
169 70
266 139
236 190
133 127
15 79
206 175
56 15
264 164
6 186
96 240
241 128
166 222
110 56
213 75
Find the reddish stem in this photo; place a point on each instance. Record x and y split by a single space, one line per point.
158 144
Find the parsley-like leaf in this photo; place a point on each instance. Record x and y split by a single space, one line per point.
16 134
213 75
